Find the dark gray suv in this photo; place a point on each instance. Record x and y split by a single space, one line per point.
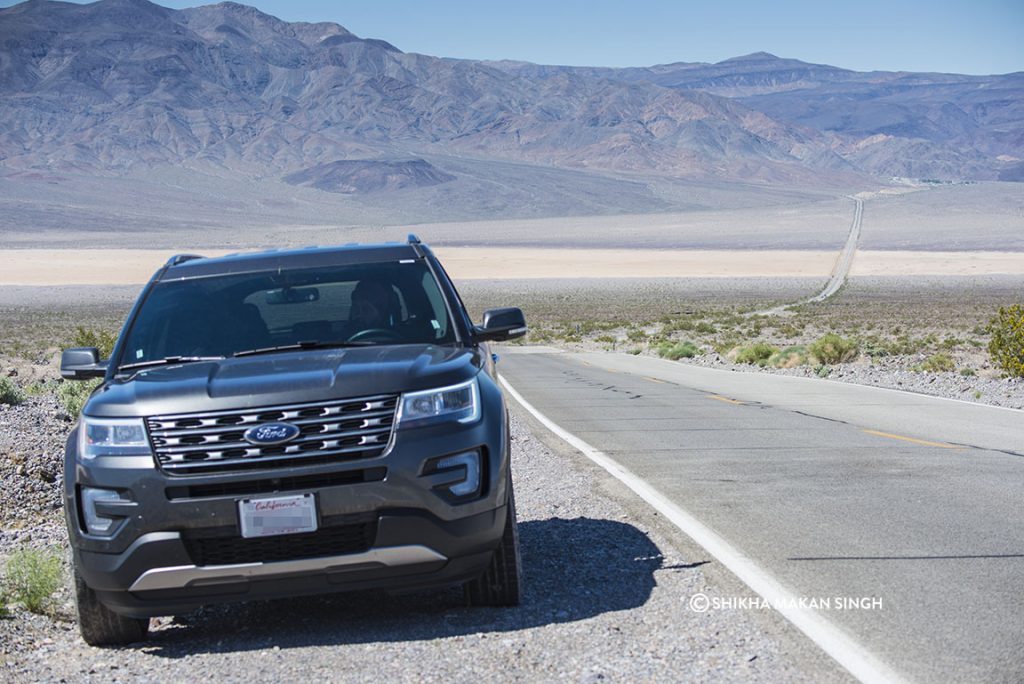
290 422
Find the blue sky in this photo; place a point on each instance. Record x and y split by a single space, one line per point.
974 37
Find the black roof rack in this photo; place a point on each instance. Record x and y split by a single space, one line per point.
182 258
417 246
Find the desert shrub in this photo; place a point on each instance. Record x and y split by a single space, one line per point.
101 339
789 329
539 334
589 327
33 576
679 350
675 324
910 345
73 394
705 328
723 346
636 335
790 357
832 348
34 389
727 319
758 352
10 393
968 372
937 363
1007 344
874 346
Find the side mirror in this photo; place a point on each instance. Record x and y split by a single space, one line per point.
82 363
501 324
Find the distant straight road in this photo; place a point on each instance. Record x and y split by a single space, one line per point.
834 490
845 260
843 263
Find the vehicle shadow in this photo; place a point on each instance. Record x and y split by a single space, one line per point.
572 570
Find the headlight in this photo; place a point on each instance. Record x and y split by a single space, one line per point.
459 403
111 437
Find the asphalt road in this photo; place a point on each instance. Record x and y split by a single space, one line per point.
843 263
904 512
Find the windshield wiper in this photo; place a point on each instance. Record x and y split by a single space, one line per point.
168 360
314 344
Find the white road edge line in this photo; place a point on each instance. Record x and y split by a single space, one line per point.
836 643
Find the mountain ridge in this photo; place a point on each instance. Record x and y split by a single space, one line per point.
126 84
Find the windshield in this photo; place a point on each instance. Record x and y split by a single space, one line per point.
383 303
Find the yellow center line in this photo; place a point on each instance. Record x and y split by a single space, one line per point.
912 440
646 377
725 399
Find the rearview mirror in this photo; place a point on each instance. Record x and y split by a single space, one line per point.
501 324
293 295
82 363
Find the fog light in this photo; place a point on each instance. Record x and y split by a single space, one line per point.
469 465
94 522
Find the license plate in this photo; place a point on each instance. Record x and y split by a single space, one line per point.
281 515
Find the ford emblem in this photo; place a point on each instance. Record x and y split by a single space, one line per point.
270 434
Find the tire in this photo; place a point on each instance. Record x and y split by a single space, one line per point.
101 626
501 584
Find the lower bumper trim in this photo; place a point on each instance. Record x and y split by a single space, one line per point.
184 576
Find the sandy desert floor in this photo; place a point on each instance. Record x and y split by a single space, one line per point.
32 267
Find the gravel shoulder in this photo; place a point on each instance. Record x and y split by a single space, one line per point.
606 599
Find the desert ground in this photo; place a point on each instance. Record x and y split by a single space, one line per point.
53 267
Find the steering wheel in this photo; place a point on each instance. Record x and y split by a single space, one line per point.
387 335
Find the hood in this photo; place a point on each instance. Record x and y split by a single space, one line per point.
284 378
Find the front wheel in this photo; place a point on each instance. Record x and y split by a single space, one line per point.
101 626
501 584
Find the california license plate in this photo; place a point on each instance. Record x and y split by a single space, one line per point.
281 515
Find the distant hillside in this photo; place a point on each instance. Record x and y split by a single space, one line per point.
355 176
125 85
916 125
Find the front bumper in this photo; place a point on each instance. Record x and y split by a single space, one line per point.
412 549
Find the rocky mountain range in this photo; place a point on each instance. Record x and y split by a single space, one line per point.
120 86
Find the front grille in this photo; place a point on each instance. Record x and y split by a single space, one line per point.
327 541
205 443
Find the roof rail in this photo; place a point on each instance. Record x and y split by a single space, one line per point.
182 258
416 245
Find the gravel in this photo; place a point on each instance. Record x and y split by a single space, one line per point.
32 436
895 374
606 599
